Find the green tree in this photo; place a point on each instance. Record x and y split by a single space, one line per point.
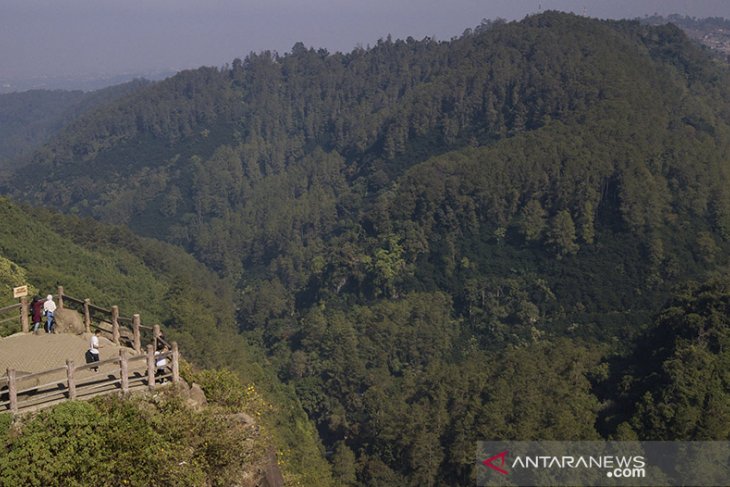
541 392
675 382
344 467
531 220
389 265
561 234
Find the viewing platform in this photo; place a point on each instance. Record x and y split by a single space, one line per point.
42 369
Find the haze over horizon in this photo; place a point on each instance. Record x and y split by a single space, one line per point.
83 38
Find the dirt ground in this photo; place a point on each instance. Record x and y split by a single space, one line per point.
33 353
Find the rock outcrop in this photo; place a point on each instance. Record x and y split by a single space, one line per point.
69 321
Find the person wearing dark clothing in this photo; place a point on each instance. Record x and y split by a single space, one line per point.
92 354
161 362
160 342
36 311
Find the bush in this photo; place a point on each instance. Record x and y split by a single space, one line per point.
138 442
222 387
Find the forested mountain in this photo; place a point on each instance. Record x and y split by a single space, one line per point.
441 242
31 118
113 266
713 32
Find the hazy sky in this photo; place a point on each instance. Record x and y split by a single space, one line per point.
68 37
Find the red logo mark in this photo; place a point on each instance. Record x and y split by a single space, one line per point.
500 456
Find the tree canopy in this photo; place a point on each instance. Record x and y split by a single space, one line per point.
438 242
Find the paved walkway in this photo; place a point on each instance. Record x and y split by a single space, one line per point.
30 353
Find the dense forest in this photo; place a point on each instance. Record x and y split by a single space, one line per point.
713 32
165 285
520 233
31 118
142 440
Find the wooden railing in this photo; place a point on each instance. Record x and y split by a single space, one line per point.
17 312
89 311
17 395
65 383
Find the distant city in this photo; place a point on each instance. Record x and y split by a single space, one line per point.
713 32
83 82
718 39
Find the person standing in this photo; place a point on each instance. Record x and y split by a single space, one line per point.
161 363
36 310
49 308
92 355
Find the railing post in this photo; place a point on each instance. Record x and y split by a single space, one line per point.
150 366
124 370
137 337
24 324
156 333
60 297
87 315
175 363
115 324
71 383
12 391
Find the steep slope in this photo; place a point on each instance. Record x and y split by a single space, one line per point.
164 285
713 32
142 440
426 236
30 119
673 384
184 159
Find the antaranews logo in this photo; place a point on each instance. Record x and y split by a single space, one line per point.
556 463
600 463
489 462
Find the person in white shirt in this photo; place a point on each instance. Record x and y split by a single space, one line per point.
92 355
161 362
49 308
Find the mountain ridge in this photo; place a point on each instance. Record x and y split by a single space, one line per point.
402 224
31 118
